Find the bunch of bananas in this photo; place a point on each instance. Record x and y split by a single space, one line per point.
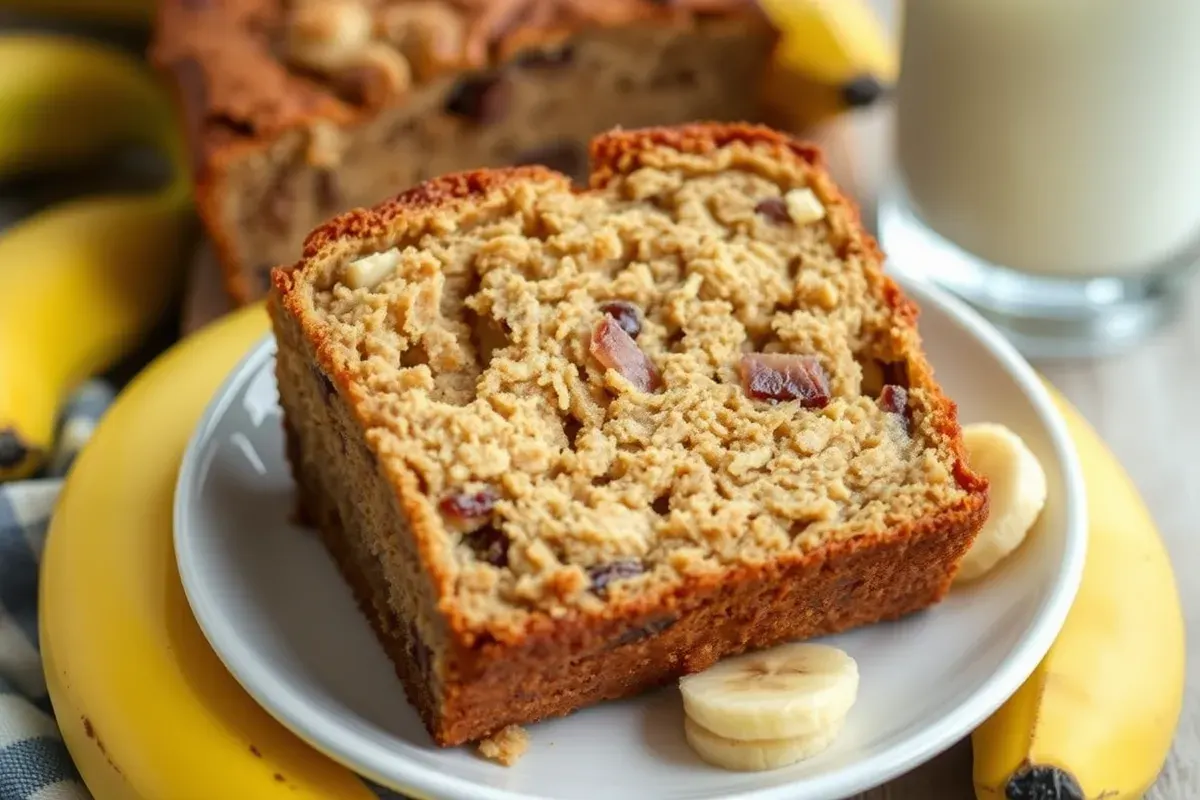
82 282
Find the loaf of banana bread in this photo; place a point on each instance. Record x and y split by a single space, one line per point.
569 444
298 109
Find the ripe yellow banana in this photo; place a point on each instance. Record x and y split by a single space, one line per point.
833 55
80 283
1096 718
67 100
124 12
146 708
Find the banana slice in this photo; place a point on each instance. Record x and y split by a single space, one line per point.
794 690
1017 495
751 756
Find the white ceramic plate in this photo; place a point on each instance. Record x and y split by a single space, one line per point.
276 611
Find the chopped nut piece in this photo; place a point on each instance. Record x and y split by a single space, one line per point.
469 505
379 73
616 349
785 376
803 206
368 271
429 32
506 746
327 35
626 315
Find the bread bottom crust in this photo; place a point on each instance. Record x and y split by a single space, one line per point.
494 685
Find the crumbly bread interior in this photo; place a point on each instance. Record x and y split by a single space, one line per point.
542 108
470 363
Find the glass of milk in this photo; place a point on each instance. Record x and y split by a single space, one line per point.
1047 164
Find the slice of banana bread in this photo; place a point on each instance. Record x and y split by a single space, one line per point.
567 445
299 109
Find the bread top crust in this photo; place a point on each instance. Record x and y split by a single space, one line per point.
580 460
249 69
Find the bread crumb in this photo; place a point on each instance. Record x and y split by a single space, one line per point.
505 746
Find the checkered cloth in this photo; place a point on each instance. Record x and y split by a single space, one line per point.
34 762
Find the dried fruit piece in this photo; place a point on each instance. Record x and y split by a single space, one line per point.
483 99
604 574
894 400
368 271
469 505
774 209
626 314
489 544
616 349
785 376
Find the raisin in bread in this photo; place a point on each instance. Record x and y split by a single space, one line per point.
298 109
567 445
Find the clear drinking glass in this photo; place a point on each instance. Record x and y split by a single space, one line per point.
1047 164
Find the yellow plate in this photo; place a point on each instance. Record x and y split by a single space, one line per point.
146 708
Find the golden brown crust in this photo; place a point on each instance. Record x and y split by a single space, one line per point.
491 677
371 223
857 582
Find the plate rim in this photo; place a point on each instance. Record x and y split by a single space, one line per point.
368 759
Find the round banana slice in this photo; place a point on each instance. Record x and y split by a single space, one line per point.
785 692
1016 496
750 756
